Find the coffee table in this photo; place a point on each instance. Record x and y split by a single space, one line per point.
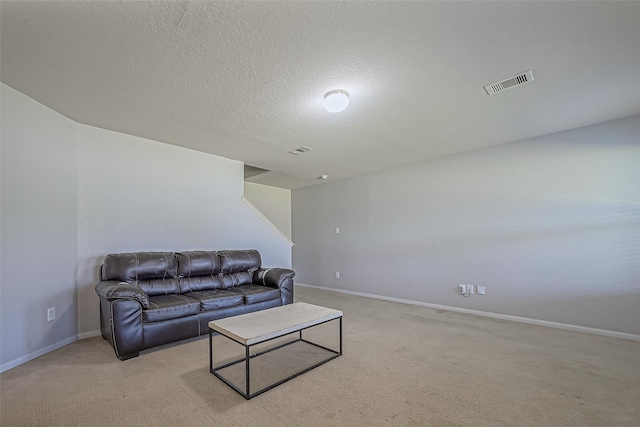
266 325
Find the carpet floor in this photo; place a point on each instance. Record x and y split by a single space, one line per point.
402 365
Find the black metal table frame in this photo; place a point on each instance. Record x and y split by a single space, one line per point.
247 394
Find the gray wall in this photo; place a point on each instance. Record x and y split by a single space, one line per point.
551 227
73 193
38 223
274 203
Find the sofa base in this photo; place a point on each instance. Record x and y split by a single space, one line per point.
263 305
128 356
166 331
169 331
208 316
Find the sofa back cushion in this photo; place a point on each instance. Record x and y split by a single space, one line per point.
240 260
153 272
153 287
199 283
237 266
198 263
131 267
199 270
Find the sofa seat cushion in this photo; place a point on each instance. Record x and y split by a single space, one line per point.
172 306
256 293
214 299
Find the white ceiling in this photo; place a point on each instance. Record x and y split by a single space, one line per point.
245 80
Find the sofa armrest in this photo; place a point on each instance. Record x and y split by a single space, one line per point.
272 277
279 278
113 290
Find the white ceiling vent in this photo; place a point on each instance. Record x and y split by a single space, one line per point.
510 82
300 150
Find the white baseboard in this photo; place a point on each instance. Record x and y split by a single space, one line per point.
538 322
89 334
23 359
27 357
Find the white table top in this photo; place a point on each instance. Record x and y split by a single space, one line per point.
259 326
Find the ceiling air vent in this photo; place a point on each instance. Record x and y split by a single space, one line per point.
513 81
300 150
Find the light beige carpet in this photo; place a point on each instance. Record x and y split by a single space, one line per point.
402 366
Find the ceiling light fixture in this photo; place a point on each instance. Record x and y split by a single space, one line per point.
336 100
300 150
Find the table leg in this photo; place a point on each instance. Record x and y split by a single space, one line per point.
340 334
210 351
247 371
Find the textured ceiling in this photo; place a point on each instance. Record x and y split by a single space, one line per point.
245 80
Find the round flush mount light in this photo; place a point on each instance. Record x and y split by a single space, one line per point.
336 101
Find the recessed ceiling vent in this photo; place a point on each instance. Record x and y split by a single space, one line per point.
513 81
300 150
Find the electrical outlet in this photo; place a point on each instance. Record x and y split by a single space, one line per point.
469 289
337 230
462 289
51 314
480 290
337 274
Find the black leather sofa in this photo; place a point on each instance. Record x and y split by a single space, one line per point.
149 299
